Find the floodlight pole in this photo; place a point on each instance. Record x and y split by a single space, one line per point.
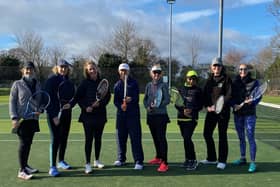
171 2
220 49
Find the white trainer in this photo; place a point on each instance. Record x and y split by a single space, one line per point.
98 164
24 175
138 167
221 165
207 162
118 163
88 168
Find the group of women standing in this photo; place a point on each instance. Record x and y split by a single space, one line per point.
93 115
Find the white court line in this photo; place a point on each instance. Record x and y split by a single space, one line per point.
147 140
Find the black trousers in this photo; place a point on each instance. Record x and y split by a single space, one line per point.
25 134
211 121
59 136
158 125
187 129
93 130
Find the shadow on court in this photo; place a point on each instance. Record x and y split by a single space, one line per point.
174 170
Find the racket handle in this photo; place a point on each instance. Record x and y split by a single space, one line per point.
124 105
59 114
240 106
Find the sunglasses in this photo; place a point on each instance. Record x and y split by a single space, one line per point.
191 78
156 72
242 69
217 65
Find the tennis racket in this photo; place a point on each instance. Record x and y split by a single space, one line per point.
124 93
36 105
219 104
102 89
255 94
65 94
176 97
157 98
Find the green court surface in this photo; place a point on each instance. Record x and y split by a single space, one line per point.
268 156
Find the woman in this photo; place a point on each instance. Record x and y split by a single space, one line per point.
128 118
59 127
245 116
188 116
218 84
93 113
26 126
157 117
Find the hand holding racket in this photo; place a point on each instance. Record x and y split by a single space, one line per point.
254 95
66 92
102 90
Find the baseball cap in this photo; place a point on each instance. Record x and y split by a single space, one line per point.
124 66
156 68
217 61
28 64
191 73
63 62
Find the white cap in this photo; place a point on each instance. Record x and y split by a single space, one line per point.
156 68
124 66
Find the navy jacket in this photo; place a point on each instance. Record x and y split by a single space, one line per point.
51 86
133 92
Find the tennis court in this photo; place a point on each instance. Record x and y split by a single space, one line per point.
268 156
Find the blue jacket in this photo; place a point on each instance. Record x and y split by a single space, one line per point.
133 92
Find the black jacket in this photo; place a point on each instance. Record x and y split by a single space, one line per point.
242 89
192 100
215 87
86 96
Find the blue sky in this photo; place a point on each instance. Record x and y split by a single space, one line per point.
80 25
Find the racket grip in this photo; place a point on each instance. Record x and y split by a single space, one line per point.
59 115
124 105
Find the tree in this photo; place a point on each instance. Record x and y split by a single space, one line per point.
273 74
234 57
31 48
9 68
124 40
146 52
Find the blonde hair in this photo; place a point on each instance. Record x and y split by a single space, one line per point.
90 62
55 69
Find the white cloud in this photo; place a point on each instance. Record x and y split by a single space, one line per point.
192 15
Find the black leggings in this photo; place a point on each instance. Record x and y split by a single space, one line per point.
187 129
59 136
25 136
158 126
93 130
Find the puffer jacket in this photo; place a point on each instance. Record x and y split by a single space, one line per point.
19 96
